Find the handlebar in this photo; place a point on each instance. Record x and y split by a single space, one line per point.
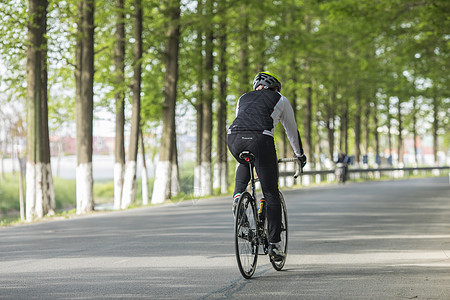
299 169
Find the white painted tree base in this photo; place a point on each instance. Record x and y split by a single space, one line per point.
30 202
282 179
2 172
84 182
40 193
206 176
220 179
318 176
197 181
306 179
175 187
162 182
129 185
40 183
223 178
216 176
50 191
144 186
118 184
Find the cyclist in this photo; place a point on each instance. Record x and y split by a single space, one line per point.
257 114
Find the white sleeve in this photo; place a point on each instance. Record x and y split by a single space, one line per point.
290 125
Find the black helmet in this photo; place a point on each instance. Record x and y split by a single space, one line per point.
267 80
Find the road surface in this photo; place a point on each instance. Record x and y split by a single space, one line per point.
374 240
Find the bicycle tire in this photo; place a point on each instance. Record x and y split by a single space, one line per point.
245 233
278 265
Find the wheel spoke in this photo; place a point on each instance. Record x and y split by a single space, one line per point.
246 236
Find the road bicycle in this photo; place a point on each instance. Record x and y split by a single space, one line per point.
251 236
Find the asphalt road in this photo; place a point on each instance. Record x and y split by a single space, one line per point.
376 240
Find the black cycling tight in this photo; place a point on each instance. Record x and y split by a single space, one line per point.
266 166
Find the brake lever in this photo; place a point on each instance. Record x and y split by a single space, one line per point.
297 162
299 169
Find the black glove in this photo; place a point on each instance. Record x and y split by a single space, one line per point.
302 160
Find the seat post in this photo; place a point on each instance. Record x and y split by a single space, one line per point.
248 157
252 178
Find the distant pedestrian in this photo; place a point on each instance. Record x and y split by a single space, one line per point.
342 167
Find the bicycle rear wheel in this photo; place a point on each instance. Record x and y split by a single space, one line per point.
246 239
278 265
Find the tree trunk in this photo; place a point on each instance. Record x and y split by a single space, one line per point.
367 127
435 129
199 104
161 186
307 107
206 166
343 143
129 183
119 64
358 126
35 90
330 124
222 104
243 52
198 163
389 127
175 187
414 129
308 122
400 135
2 169
49 201
258 37
293 101
21 196
144 176
375 130
84 107
318 146
330 132
341 134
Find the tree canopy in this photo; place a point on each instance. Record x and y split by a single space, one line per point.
358 72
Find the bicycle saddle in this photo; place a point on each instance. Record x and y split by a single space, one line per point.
247 156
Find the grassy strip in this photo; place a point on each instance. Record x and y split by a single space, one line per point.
9 193
65 197
65 194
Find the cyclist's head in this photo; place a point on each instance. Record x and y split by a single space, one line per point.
265 80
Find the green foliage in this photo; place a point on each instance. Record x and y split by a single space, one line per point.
13 36
385 50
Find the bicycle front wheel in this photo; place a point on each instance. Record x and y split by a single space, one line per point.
246 239
278 265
